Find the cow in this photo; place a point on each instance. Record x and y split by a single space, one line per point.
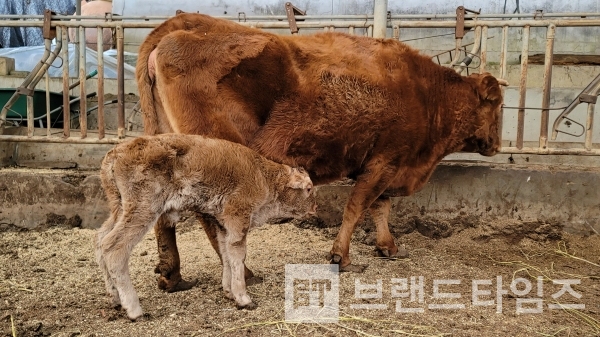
231 187
341 106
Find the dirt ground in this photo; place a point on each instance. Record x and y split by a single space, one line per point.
50 285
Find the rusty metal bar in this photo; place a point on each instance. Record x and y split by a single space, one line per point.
30 122
319 24
82 75
523 88
503 58
548 151
589 126
547 87
100 50
483 52
45 139
120 84
66 91
48 120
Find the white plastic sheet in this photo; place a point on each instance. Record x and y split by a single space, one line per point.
26 58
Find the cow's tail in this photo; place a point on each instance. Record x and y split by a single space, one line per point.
109 181
145 84
144 81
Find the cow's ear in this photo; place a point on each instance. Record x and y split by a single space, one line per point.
489 87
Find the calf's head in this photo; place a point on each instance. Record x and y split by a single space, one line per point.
483 136
297 197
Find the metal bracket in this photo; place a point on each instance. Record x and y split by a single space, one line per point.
179 11
460 30
586 98
25 91
48 32
291 11
241 16
539 12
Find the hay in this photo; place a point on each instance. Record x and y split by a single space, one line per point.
396 327
12 325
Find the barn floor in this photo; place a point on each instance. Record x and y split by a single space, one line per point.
50 285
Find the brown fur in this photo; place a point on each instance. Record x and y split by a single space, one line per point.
342 106
228 185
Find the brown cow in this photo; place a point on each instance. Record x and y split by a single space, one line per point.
229 186
374 110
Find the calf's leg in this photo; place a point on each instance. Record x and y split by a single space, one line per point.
116 248
380 212
235 243
106 228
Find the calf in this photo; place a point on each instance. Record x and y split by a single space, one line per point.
229 186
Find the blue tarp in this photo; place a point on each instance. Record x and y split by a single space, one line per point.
29 36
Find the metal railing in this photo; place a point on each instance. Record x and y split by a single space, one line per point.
479 24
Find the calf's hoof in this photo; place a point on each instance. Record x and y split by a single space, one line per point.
135 313
394 253
249 306
171 286
354 268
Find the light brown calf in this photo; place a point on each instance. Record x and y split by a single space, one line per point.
229 186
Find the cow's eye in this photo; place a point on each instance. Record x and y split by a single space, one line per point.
308 190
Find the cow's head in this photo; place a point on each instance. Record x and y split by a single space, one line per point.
297 197
483 135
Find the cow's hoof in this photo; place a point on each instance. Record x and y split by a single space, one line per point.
336 259
249 306
254 280
228 294
171 287
401 253
142 318
354 268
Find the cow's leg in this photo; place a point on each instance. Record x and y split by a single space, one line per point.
168 258
211 232
106 228
369 186
116 248
380 212
235 242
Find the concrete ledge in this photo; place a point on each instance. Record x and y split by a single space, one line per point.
566 199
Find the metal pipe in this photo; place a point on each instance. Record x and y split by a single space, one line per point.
82 78
523 88
468 58
589 126
321 24
120 84
351 30
380 18
457 47
549 151
48 122
503 57
547 87
66 91
318 17
30 123
44 139
100 49
483 53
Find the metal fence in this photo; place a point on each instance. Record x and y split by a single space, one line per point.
56 26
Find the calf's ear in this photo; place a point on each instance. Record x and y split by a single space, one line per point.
299 179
